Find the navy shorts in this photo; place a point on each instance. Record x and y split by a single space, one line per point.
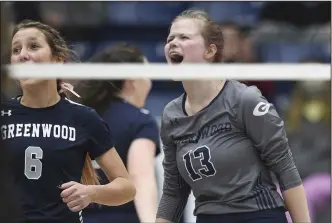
105 217
267 216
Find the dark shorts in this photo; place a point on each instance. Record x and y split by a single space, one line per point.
267 216
74 218
104 217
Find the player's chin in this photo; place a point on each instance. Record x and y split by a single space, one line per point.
30 82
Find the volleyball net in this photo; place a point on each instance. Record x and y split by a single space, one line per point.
299 72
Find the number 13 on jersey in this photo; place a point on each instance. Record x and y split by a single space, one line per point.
207 168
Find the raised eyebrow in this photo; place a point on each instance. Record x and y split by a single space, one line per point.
30 38
171 36
15 43
178 34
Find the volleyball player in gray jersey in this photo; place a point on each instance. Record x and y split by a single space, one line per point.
222 140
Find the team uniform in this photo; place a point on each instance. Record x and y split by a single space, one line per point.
49 147
127 123
225 154
8 203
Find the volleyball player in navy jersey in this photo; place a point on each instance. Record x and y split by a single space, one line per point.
136 136
8 203
222 140
52 139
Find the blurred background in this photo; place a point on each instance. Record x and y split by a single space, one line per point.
254 32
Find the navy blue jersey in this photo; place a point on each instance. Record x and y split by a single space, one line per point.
127 123
49 146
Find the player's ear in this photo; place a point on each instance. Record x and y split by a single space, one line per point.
210 52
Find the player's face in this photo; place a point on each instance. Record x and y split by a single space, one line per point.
185 42
30 46
143 87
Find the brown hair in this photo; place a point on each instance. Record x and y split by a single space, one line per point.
98 94
211 31
62 53
58 45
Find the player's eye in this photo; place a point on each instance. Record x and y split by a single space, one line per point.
34 46
184 37
168 40
15 50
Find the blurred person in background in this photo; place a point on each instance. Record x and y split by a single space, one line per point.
238 48
223 141
237 45
26 10
135 132
310 108
296 21
9 208
308 124
52 139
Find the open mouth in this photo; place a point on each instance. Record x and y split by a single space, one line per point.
176 58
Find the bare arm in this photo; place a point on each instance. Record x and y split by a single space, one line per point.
141 168
161 220
296 204
120 190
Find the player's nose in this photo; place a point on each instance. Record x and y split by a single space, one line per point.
24 55
174 43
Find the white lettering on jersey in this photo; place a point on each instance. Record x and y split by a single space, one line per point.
261 109
19 130
27 130
35 130
46 130
38 130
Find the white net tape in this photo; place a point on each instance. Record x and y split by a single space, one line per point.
179 72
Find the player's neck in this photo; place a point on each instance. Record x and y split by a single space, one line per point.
200 94
132 100
40 98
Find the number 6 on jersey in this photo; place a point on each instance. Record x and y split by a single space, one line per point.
33 166
203 153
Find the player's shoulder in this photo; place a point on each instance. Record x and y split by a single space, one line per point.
137 113
144 119
75 105
10 103
137 116
146 115
173 108
79 110
241 93
130 113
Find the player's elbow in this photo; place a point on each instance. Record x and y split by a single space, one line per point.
129 191
132 191
126 194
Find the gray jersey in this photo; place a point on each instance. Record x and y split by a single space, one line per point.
225 154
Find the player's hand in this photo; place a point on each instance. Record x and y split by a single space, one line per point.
77 196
